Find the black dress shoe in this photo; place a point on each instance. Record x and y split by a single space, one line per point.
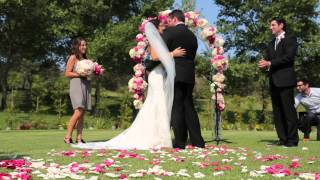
291 145
277 143
280 143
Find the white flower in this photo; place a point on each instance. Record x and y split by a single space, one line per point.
140 51
218 77
132 53
131 84
136 175
219 42
85 67
202 23
165 13
208 31
137 104
113 175
217 51
218 173
183 172
198 175
307 175
142 44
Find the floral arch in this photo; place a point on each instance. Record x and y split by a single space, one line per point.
208 33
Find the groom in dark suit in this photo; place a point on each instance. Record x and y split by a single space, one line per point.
184 118
279 62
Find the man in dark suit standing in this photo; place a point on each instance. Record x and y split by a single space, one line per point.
184 118
279 62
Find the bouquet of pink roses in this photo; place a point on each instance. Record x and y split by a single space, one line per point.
87 67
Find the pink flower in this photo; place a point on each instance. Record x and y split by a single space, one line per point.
140 37
294 165
68 153
12 164
226 168
138 80
117 169
109 162
139 73
5 176
99 169
98 70
123 176
278 169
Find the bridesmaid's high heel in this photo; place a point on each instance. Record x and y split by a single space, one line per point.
80 141
68 140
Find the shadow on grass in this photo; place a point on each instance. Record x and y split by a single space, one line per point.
269 141
220 141
102 140
10 155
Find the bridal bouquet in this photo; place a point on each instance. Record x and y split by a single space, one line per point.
87 67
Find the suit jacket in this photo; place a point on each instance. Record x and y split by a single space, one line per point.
282 72
180 36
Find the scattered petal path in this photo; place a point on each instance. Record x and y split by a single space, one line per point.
157 163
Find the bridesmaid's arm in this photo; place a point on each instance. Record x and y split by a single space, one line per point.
69 69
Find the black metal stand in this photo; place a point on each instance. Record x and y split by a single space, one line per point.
217 120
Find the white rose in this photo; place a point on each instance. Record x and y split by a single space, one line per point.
202 23
219 42
217 51
137 104
142 44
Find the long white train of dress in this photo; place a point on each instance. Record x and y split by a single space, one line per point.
151 128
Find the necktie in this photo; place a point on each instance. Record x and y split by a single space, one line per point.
276 43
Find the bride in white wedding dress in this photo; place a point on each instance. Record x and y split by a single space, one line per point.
151 128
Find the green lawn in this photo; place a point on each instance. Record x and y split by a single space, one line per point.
244 149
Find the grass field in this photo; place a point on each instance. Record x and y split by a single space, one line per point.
242 158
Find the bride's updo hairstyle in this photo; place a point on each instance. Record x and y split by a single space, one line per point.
155 22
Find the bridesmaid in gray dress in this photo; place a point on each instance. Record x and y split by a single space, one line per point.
79 91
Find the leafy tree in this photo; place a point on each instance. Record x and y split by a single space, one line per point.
60 95
246 23
24 36
39 90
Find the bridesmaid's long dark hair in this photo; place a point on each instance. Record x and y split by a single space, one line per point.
75 48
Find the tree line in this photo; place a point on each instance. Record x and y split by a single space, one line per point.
35 36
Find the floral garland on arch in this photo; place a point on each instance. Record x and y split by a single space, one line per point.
208 33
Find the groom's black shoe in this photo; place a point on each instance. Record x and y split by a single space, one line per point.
177 145
277 143
291 145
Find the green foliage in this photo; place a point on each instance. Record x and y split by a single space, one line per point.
246 23
126 112
60 95
40 91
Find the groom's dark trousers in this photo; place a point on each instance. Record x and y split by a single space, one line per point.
282 82
184 118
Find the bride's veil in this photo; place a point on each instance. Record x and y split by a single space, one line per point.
159 46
